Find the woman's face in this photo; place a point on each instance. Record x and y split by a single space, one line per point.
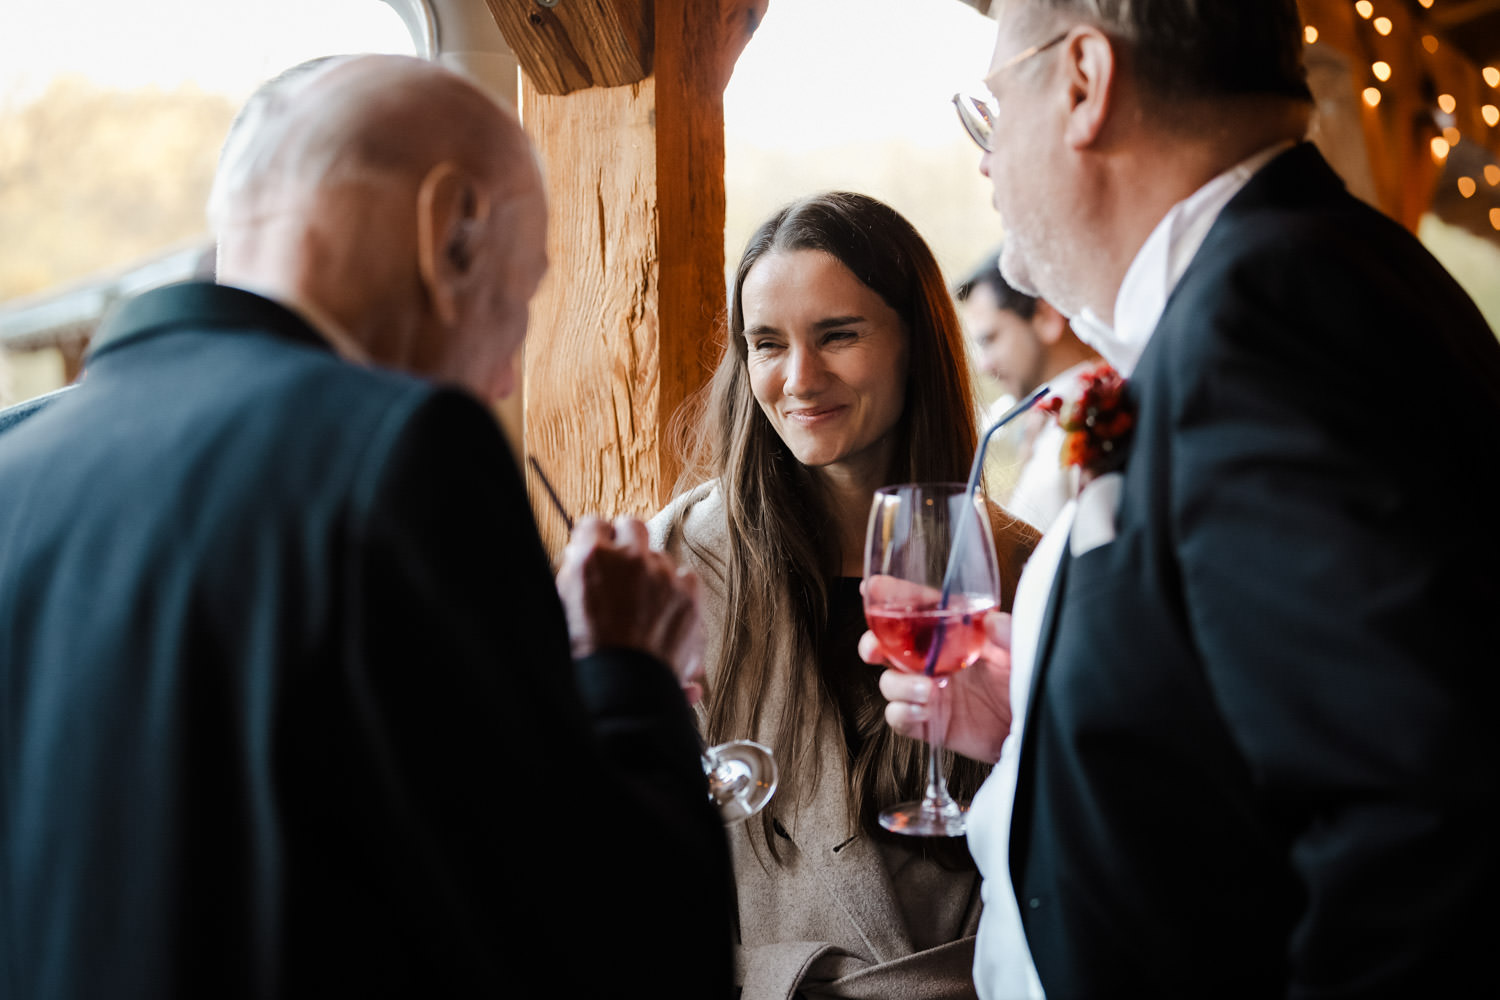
827 361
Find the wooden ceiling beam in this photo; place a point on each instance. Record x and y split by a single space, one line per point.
568 45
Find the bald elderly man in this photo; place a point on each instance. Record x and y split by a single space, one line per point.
291 704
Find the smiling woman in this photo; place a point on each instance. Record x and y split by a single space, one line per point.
843 369
111 117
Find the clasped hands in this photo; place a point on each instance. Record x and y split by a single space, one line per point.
620 593
970 714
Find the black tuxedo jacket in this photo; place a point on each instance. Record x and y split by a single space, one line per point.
288 705
1260 757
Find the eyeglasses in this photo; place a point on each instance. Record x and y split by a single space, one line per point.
978 113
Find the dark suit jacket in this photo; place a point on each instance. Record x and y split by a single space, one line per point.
289 708
12 416
1261 756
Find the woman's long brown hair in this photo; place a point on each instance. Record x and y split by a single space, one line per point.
782 550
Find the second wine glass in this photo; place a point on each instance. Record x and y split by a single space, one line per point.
741 778
931 578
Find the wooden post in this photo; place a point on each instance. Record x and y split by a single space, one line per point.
635 175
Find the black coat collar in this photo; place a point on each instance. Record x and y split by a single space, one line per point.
199 304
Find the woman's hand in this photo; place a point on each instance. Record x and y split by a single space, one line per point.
969 715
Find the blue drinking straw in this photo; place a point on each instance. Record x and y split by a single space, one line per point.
974 473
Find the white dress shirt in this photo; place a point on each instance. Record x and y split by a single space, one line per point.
1044 484
1003 969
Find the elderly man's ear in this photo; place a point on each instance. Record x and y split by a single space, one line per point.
451 210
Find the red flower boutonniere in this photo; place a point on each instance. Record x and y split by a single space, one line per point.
1098 423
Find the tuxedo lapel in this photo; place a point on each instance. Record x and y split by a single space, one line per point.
1048 631
1021 809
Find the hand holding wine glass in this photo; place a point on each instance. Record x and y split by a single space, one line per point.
970 715
618 591
931 579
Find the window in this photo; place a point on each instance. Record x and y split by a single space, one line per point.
111 117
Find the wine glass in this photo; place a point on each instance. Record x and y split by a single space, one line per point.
931 578
741 778
741 773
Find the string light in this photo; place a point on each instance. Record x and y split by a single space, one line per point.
1441 145
1309 34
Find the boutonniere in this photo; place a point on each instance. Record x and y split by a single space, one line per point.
1097 421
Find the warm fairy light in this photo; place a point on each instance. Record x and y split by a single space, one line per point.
1430 43
1467 187
1365 8
1495 218
1382 70
1452 136
1491 76
1491 115
1382 25
1447 103
1440 148
1425 3
1492 174
1310 34
1372 96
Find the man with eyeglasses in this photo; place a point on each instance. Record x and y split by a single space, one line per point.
1251 671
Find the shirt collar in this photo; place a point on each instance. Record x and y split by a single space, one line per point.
1160 263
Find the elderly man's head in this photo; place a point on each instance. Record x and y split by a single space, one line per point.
1106 112
395 201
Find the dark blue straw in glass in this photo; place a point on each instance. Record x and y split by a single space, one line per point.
974 473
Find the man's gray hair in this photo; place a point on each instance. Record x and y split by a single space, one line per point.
1202 48
249 142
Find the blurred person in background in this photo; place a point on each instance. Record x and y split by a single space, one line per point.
1023 343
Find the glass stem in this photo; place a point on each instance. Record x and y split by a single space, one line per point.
937 798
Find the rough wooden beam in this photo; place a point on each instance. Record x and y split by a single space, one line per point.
622 330
568 45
